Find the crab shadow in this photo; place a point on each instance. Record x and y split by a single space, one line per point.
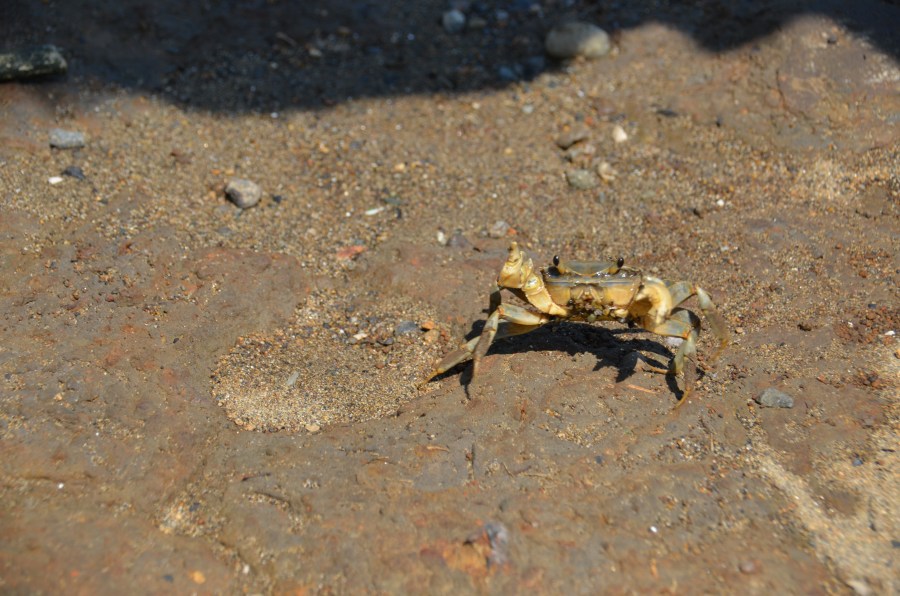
621 348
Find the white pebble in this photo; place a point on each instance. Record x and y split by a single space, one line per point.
619 134
374 210
577 39
55 179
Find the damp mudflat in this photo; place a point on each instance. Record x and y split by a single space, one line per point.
199 397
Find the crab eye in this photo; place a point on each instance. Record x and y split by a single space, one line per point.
556 260
620 262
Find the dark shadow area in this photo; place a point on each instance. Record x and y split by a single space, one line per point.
611 347
271 55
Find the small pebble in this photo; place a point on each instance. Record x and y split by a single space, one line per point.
453 21
606 171
569 138
507 74
431 336
572 39
581 179
54 180
619 135
773 398
406 328
457 240
66 139
747 567
243 193
499 229
313 428
860 586
74 172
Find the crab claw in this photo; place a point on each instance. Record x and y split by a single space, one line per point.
516 270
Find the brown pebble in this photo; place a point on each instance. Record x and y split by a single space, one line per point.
428 325
431 336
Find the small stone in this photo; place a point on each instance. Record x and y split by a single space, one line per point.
581 179
313 428
428 325
406 328
805 326
453 21
747 567
507 74
773 398
66 139
74 172
243 193
499 229
606 171
457 240
619 135
431 336
577 39
860 586
570 137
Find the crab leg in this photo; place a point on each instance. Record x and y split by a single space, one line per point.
684 324
683 290
506 320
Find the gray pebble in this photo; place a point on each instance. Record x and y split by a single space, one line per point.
773 398
406 328
453 21
243 193
66 139
74 172
507 74
577 39
581 179
499 229
457 240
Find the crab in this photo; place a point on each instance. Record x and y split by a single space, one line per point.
592 291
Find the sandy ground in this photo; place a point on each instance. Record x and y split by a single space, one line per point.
202 398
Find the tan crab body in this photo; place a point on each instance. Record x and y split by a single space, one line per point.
591 291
